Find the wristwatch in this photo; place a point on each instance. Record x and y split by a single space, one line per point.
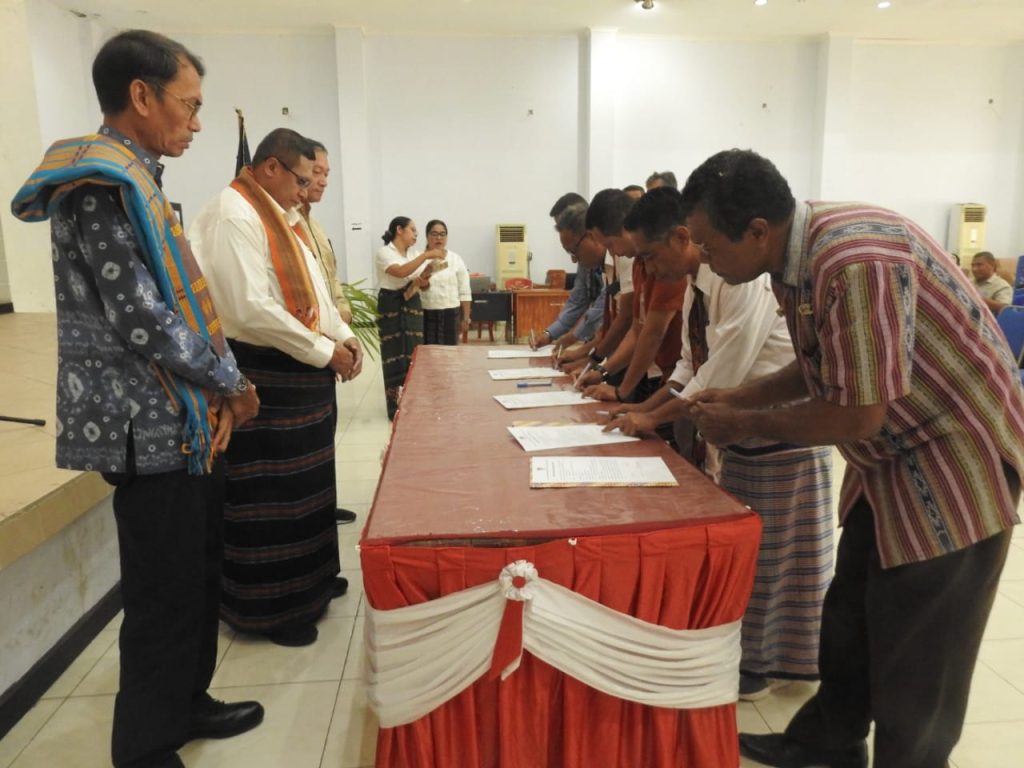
596 358
602 370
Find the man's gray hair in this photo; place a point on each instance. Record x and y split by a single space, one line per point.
573 219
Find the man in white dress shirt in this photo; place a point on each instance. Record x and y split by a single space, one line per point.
281 552
732 334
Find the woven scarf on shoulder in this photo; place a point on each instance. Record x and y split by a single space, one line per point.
98 159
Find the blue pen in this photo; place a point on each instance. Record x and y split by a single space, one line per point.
524 384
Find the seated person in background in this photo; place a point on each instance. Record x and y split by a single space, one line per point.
586 300
448 296
996 292
662 179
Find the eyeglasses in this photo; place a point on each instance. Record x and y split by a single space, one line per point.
574 250
437 234
194 106
303 181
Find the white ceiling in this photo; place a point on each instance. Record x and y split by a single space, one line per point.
968 20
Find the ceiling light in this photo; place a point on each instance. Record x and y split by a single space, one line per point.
884 4
760 2
645 4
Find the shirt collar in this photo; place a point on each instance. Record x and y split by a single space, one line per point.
796 249
705 279
148 161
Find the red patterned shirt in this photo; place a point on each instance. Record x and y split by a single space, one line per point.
879 313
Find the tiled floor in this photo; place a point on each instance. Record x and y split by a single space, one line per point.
314 697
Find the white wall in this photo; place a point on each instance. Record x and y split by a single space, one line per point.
452 137
923 135
681 101
451 134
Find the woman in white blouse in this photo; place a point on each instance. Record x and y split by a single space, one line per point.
401 275
448 300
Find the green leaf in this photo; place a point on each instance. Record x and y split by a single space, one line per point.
364 316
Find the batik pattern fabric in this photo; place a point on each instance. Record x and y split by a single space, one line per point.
139 342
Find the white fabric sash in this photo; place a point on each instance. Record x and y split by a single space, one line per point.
421 656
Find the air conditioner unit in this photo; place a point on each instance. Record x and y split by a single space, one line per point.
966 234
513 258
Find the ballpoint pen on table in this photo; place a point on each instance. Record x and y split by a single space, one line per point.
524 384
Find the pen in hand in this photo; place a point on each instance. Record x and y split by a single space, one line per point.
579 378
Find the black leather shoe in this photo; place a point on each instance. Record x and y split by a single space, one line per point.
339 587
212 719
344 516
778 750
294 637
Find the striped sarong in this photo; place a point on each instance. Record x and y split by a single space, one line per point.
792 492
280 540
400 322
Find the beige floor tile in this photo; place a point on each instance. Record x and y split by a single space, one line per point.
1014 569
82 665
1004 658
358 469
1006 620
347 605
1013 590
78 735
778 708
990 745
749 720
355 662
352 738
993 699
19 737
256 661
292 734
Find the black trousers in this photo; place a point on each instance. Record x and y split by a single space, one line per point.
898 646
170 536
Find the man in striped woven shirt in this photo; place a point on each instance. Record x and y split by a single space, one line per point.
900 366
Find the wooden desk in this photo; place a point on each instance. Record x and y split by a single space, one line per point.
536 308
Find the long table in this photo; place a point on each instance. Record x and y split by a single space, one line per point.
454 506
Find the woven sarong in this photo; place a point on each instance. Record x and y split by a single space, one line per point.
401 331
441 326
792 492
280 540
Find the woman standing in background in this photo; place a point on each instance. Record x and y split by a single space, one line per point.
401 275
448 300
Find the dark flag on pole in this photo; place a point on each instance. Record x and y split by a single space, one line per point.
243 157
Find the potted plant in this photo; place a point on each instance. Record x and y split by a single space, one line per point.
364 316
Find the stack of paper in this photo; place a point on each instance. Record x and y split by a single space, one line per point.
572 471
508 354
545 438
543 399
508 374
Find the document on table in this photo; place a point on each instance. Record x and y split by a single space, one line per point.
574 436
543 399
508 354
572 471
508 374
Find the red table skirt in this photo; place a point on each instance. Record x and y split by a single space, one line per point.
683 578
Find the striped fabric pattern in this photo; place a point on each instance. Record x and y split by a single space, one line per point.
879 313
400 323
792 492
280 539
